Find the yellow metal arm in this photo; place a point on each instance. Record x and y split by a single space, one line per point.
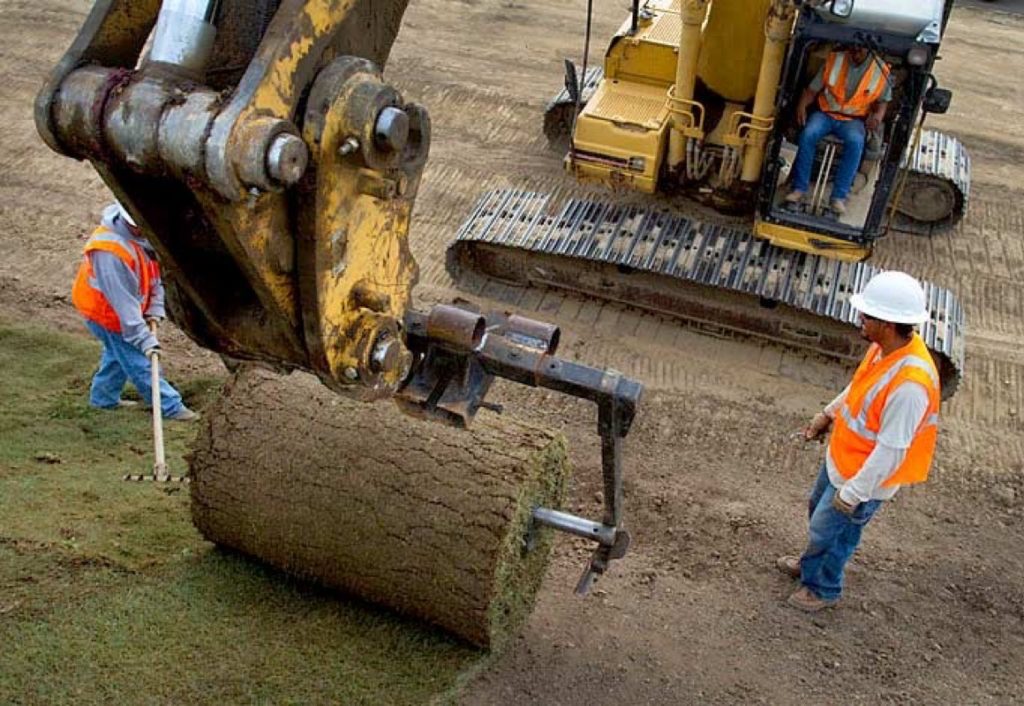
269 164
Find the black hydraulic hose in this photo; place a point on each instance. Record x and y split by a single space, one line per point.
582 83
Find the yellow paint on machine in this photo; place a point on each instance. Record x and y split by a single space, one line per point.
608 139
810 242
647 57
368 237
731 47
274 96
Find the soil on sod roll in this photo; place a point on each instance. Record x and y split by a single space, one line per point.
425 519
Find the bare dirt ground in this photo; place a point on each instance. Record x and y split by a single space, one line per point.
934 610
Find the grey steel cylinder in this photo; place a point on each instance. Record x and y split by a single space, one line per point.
539 335
184 34
287 159
573 524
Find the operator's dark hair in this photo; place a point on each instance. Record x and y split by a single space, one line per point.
904 330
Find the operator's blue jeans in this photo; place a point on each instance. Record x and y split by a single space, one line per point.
120 362
851 132
832 541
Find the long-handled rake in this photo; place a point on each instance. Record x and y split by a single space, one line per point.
159 474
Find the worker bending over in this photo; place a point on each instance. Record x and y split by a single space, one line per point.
118 290
884 427
853 92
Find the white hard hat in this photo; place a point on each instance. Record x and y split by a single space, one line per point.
893 296
123 213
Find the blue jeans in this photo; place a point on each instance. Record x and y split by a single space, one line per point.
832 541
120 362
851 132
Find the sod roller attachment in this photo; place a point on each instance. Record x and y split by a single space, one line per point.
449 526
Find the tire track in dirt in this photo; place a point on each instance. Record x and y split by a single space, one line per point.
483 129
59 16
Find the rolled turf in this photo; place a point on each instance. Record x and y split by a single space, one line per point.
422 518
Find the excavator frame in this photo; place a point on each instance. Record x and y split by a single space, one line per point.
689 110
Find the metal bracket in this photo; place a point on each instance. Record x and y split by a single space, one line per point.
459 352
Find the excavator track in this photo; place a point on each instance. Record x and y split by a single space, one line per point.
718 278
938 185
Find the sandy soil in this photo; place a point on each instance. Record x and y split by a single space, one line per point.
935 605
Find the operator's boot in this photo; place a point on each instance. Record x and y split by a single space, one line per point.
804 599
795 196
839 206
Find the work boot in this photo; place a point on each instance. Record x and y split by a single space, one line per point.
839 206
804 599
127 404
795 196
184 415
789 565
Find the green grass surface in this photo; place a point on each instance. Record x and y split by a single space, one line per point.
109 595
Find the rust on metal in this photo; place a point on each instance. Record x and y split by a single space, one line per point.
531 333
461 329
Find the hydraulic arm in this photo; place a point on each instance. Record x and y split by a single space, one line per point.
274 170
277 195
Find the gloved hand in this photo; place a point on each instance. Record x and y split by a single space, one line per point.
818 425
152 351
842 506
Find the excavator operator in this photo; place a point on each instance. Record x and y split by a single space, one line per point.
853 91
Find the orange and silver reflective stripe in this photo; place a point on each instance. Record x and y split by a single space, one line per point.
911 360
930 420
109 236
830 83
837 69
876 79
859 424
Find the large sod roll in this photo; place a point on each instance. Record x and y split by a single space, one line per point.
416 516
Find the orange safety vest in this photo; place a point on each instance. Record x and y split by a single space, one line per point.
856 426
86 295
832 98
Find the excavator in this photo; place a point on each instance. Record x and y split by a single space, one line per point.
694 105
274 170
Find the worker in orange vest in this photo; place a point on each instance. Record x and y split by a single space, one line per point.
884 426
119 292
853 91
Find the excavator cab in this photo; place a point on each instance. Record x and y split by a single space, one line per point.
811 224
